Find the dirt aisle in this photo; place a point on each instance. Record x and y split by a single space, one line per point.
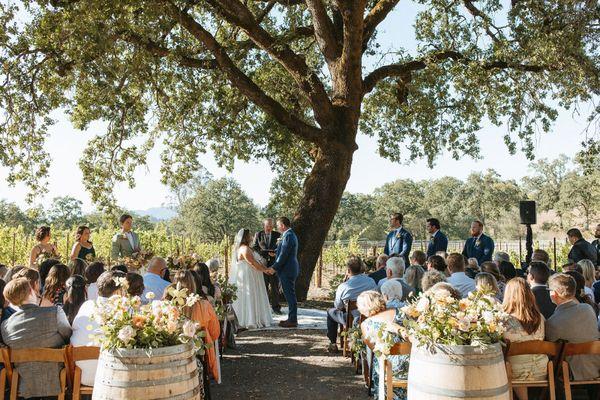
288 364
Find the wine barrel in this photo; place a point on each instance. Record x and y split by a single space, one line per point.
148 374
457 372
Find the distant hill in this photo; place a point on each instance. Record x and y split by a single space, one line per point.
157 213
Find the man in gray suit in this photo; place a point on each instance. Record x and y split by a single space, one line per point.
125 243
573 322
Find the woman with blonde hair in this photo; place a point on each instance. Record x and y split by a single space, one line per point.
491 268
484 281
413 276
525 323
589 273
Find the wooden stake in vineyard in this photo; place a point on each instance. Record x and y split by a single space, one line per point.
14 260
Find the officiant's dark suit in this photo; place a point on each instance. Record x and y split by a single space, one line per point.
264 243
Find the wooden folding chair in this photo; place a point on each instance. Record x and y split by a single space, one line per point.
359 361
550 349
16 356
4 358
386 374
576 349
80 354
350 306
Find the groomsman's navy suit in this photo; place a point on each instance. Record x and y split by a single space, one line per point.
287 267
399 241
438 242
481 248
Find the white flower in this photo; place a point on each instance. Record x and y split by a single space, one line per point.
126 334
423 304
488 316
150 296
192 299
189 328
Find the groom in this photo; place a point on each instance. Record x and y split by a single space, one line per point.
287 268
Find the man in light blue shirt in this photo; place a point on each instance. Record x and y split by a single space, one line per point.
394 268
153 279
349 290
458 279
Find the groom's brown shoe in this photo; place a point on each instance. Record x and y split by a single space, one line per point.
288 324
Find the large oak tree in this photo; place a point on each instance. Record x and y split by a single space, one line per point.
290 81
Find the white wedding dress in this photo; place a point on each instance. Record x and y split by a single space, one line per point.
252 304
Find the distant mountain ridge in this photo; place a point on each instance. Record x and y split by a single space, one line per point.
158 213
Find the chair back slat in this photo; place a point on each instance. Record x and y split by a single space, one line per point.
37 355
401 349
86 353
572 349
551 349
351 306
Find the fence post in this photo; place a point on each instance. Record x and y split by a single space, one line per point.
227 258
67 253
520 250
320 270
14 260
554 252
374 251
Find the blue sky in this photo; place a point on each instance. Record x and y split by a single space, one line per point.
369 171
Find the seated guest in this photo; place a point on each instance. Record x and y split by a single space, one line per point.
580 291
472 268
418 258
589 273
437 263
372 305
76 295
485 281
491 268
7 311
445 287
392 294
135 285
55 286
107 287
153 278
380 272
413 276
501 256
574 322
430 278
356 283
33 326
120 267
213 293
92 273
44 270
541 255
508 270
10 274
537 277
78 266
458 278
525 323
395 270
33 277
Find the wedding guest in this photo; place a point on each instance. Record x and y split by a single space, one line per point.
201 312
413 276
107 287
486 282
458 279
392 294
418 258
125 243
211 291
3 270
573 322
491 268
380 272
479 245
120 267
501 256
430 278
438 241
33 327
580 294
83 249
437 263
447 288
525 323
55 286
43 237
356 283
213 265
92 273
537 277
44 270
265 243
472 268
399 240
135 285
78 267
541 255
10 274
507 269
395 271
589 273
75 296
372 305
596 244
33 277
153 278
581 249
7 310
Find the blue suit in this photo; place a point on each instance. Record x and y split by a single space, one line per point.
482 249
399 242
287 267
439 242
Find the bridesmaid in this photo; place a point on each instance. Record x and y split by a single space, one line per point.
43 236
83 248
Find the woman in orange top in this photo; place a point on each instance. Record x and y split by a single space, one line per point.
203 313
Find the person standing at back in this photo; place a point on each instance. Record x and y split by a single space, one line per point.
399 240
581 249
438 241
479 245
265 243
125 243
596 244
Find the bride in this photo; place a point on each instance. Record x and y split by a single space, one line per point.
252 304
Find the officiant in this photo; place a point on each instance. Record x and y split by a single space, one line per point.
265 242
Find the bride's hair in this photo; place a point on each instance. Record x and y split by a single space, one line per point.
246 238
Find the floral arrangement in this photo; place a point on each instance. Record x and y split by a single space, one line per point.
137 261
183 262
355 340
126 323
228 290
439 319
385 337
46 255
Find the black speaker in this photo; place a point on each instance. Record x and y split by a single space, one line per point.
527 212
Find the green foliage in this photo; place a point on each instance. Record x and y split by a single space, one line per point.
65 212
334 282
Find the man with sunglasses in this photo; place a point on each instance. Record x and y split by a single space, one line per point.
154 278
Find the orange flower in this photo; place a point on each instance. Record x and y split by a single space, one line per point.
138 321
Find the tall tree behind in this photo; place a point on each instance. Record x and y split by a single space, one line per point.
283 80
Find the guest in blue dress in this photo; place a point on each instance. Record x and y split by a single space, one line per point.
373 305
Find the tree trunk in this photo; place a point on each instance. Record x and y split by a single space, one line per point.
323 191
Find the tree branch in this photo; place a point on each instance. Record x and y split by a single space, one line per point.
375 17
476 12
243 83
323 28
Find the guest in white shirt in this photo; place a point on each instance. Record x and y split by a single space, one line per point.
153 279
81 334
458 279
394 268
92 273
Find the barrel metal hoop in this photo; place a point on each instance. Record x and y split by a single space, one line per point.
449 360
151 383
114 365
461 394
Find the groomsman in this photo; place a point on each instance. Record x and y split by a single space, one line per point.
596 244
438 241
399 240
265 242
479 245
125 243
